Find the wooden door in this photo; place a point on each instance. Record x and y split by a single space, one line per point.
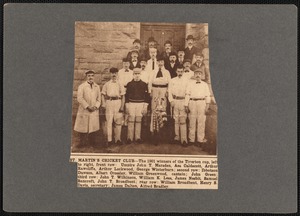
163 32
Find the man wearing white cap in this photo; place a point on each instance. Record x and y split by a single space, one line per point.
176 95
196 103
89 99
113 101
137 100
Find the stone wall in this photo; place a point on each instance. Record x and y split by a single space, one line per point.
99 46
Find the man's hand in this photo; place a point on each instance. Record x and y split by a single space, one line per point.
121 109
90 109
207 109
187 110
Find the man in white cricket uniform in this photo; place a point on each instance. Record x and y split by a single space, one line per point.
176 95
113 101
196 103
89 99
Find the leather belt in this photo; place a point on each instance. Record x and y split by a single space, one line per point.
160 86
178 97
136 101
112 98
196 99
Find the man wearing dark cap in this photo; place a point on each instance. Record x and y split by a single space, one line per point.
188 73
137 100
190 50
158 84
197 100
199 64
172 64
136 47
113 101
134 60
89 99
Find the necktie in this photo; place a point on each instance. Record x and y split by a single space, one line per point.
152 64
126 70
91 84
159 74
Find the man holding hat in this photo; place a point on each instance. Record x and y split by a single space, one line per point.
190 50
188 73
197 100
137 100
113 101
172 64
176 94
89 99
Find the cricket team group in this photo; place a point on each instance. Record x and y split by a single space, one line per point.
153 91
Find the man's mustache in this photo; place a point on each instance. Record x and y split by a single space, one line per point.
172 61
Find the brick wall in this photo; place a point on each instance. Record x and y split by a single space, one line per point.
99 46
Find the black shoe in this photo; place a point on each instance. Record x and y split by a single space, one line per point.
199 144
129 141
184 144
191 143
118 143
110 143
139 141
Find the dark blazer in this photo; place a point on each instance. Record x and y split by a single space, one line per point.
131 66
171 69
206 77
189 53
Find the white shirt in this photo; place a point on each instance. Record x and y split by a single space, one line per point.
188 75
149 65
113 89
165 79
125 77
177 87
145 74
197 90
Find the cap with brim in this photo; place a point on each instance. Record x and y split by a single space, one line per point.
136 70
125 60
89 72
168 42
187 60
137 41
160 58
198 70
113 70
151 39
198 53
172 54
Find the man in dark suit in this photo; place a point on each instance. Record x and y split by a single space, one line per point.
134 60
168 49
190 50
136 47
172 64
205 76
180 55
152 43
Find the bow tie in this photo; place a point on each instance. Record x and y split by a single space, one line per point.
198 82
134 60
186 71
126 70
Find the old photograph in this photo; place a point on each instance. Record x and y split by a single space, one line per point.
143 88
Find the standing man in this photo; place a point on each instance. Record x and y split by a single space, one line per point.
176 95
145 74
137 99
151 44
172 64
190 50
125 75
196 103
180 54
188 73
113 101
158 85
166 53
199 64
152 65
136 47
134 60
87 119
